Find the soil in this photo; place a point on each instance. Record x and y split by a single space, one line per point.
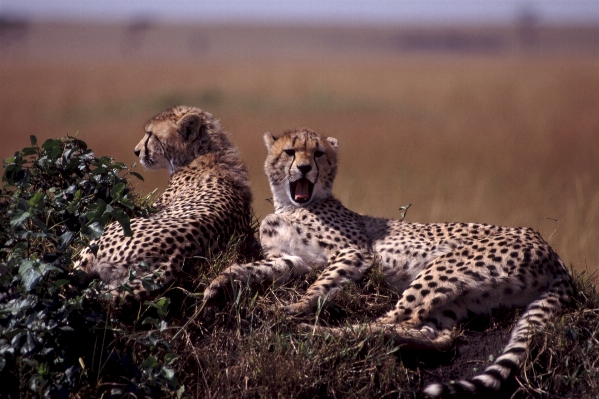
478 345
471 354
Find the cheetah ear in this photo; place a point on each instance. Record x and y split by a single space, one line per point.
269 140
189 126
333 142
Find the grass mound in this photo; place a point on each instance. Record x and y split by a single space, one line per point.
251 349
62 338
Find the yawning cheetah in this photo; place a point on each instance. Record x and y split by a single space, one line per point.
444 271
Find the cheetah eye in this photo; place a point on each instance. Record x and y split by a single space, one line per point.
290 152
318 154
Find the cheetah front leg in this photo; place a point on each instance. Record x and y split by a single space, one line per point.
422 317
276 270
348 265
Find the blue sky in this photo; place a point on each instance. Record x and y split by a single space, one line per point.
311 11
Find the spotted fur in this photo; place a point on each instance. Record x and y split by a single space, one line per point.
206 204
444 271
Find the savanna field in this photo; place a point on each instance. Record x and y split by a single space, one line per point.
508 138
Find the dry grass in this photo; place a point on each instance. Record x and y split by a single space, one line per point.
511 141
251 349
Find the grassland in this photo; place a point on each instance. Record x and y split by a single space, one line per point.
509 139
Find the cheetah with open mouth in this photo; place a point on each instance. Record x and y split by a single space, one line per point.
444 272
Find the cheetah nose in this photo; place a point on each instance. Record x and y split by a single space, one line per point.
136 151
304 169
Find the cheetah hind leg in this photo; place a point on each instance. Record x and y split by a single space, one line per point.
426 337
145 283
491 381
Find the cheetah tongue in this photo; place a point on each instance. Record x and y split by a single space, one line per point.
302 191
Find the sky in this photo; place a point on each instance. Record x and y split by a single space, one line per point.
308 11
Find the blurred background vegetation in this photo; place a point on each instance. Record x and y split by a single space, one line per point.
487 118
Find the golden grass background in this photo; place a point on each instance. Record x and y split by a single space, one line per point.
508 139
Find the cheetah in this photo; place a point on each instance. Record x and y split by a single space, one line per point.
206 204
443 272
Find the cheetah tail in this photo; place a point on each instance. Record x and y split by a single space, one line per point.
491 381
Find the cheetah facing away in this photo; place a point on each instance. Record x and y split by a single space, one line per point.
444 272
206 204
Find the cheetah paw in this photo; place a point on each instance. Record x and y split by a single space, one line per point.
217 289
298 308
306 328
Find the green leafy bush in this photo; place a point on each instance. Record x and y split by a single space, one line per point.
57 335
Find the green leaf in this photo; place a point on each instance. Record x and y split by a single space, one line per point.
30 344
126 202
92 231
50 144
17 217
37 383
11 173
15 341
127 288
64 240
170 358
47 267
30 362
123 220
25 265
140 177
42 369
150 320
94 247
117 190
160 304
150 362
96 211
28 151
180 391
55 153
99 171
31 278
23 205
150 285
52 201
39 224
168 373
37 199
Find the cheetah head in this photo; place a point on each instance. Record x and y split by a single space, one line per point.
177 136
301 166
